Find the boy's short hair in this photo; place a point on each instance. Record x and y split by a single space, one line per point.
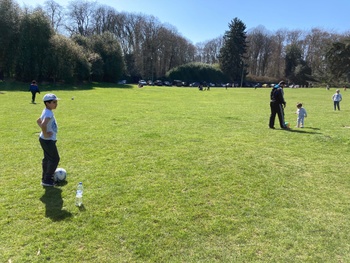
299 104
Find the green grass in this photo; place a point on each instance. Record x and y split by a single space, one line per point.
177 175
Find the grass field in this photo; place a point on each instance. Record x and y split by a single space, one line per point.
177 175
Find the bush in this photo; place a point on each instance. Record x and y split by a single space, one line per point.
196 72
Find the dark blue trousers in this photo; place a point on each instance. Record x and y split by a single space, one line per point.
50 160
276 108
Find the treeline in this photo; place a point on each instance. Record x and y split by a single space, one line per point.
89 41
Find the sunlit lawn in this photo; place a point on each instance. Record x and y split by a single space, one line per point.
177 175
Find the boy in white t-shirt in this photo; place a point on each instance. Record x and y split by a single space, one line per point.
47 139
301 112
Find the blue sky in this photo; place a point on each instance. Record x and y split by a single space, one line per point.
202 20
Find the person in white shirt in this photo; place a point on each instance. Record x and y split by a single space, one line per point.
337 98
301 112
47 139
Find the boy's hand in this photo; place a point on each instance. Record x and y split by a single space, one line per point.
48 134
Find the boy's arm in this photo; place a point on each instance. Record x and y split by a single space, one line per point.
43 126
38 121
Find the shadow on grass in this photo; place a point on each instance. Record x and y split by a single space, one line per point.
52 198
302 130
21 86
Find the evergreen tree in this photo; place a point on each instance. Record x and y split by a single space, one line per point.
9 32
297 71
34 44
232 53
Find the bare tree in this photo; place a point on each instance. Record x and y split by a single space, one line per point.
80 14
104 20
276 69
317 42
255 40
55 12
208 52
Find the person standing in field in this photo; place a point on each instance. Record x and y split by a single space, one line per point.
277 105
47 139
301 112
34 89
337 98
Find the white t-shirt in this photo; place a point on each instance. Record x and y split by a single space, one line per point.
51 126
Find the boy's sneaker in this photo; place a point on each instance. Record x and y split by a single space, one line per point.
48 181
51 183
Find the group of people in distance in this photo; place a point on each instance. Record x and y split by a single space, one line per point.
278 103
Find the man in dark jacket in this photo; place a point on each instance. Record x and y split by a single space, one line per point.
277 105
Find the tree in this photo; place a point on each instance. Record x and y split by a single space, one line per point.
338 60
234 48
296 70
104 20
193 72
259 51
9 32
34 43
109 49
55 14
209 51
81 15
67 61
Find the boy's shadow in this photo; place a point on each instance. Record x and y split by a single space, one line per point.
52 198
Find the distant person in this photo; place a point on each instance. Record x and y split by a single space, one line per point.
47 139
337 98
34 89
277 105
301 112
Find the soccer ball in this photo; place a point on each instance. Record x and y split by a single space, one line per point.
60 175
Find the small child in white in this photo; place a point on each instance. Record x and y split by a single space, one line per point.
301 112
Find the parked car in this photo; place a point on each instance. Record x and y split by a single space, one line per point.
142 83
220 85
194 84
122 81
158 83
167 83
177 83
